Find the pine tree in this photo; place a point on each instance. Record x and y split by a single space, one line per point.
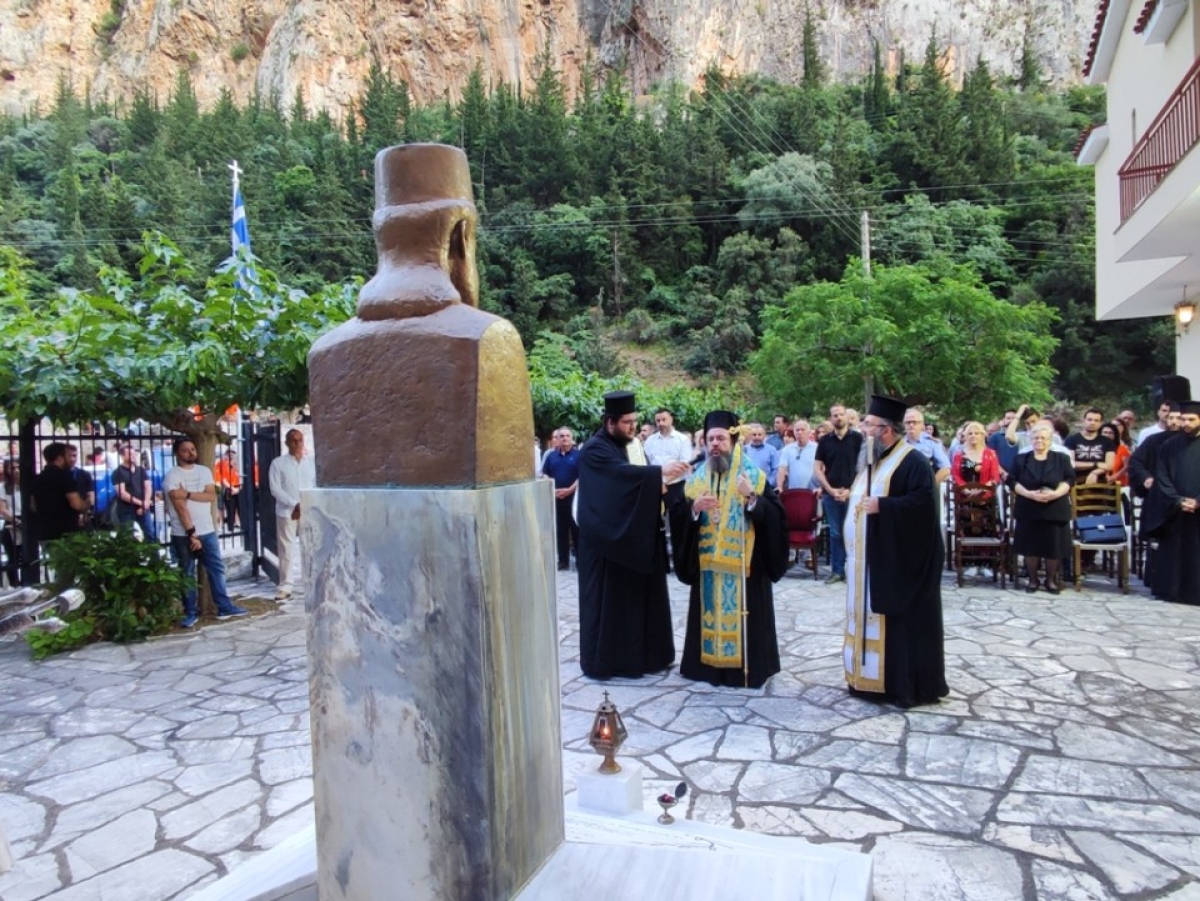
814 66
144 120
877 100
1030 76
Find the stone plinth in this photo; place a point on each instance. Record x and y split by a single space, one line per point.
433 649
616 793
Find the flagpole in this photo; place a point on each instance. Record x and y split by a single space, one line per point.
237 175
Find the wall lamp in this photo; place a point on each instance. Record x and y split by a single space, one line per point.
1185 312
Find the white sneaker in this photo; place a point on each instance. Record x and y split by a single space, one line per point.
970 572
283 593
986 573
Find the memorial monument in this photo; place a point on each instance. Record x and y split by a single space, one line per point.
432 634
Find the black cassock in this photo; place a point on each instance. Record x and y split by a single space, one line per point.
1177 563
624 609
768 563
904 554
1156 509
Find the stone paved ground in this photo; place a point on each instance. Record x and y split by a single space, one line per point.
1065 764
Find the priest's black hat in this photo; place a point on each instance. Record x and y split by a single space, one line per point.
889 408
720 419
1190 406
619 403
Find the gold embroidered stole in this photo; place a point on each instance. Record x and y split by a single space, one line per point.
865 629
726 539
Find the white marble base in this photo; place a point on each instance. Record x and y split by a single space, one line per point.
433 674
287 872
633 855
615 793
6 858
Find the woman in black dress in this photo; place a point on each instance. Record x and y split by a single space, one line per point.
1041 481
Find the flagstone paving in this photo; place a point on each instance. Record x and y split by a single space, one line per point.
1064 765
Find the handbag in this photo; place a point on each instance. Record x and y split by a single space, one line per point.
1101 528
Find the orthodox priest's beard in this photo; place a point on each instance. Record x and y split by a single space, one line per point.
871 453
620 437
718 464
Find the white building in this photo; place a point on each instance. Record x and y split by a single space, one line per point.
1147 162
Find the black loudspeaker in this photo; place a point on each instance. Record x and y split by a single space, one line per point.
1169 387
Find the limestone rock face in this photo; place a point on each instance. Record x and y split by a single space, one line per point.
324 49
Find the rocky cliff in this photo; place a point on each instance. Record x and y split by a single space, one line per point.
324 47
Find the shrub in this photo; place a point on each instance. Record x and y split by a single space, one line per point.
239 52
130 591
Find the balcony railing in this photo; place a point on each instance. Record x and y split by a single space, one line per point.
1170 136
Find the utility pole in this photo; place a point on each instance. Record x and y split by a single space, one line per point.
865 235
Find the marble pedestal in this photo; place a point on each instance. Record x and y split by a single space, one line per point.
632 856
6 858
613 793
433 653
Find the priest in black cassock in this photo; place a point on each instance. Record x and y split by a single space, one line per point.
1156 509
894 640
1177 477
624 609
730 542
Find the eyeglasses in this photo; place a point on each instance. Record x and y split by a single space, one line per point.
628 420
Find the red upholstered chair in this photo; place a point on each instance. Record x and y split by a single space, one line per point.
801 509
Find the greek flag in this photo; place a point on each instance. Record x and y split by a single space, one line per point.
240 233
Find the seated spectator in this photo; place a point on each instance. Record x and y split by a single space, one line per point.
975 462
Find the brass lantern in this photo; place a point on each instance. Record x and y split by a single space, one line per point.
608 734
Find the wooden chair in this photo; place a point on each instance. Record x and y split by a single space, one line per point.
980 534
1090 500
801 512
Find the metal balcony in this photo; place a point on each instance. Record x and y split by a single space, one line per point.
1174 132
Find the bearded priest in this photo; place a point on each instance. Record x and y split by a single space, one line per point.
730 542
893 648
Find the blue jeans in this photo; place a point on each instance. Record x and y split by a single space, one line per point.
835 517
145 522
209 556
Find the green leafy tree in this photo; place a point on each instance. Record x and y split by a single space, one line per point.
917 230
152 348
930 332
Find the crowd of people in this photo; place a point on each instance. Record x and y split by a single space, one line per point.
633 504
159 494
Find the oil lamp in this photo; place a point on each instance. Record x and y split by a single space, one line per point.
608 734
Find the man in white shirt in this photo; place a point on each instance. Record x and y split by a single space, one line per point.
796 462
191 493
1164 412
290 474
667 444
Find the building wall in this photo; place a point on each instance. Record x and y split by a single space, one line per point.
1141 78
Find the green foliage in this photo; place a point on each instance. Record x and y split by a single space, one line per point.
110 22
678 218
79 631
930 332
564 394
131 591
150 347
239 51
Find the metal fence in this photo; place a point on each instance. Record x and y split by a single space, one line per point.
242 526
